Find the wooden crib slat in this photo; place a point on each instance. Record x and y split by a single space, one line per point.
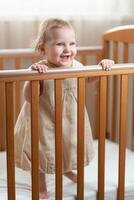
1 63
17 98
10 141
116 107
17 61
17 87
80 138
115 51
116 93
132 133
98 57
101 145
106 45
84 58
58 139
2 116
125 52
35 59
115 96
122 138
35 138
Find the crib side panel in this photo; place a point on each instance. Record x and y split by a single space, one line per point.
118 44
23 58
9 93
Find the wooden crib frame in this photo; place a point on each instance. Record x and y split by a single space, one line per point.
19 55
9 77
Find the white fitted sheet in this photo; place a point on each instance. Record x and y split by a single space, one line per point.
23 183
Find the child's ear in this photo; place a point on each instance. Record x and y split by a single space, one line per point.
42 49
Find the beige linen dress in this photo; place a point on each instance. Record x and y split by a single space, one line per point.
47 129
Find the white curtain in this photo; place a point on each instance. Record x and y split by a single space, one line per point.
19 20
75 7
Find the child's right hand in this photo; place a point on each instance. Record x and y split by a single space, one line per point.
41 68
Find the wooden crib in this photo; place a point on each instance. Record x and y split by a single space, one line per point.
10 91
23 58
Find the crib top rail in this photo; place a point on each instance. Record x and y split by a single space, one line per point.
59 73
121 33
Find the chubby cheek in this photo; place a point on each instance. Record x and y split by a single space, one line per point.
75 53
54 55
74 50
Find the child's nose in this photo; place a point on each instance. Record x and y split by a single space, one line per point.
67 48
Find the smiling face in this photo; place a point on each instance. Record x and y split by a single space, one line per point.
60 48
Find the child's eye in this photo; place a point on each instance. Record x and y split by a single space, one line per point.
72 43
60 44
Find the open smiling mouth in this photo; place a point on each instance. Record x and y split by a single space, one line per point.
66 57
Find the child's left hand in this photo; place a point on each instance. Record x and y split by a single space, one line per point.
106 64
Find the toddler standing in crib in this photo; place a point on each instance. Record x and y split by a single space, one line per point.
56 41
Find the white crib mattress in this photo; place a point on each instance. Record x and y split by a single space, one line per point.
23 188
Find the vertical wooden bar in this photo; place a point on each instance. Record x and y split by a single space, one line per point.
125 52
106 54
17 88
10 141
58 139
2 117
99 57
106 49
34 59
132 133
102 133
115 51
17 62
84 58
35 138
80 138
2 110
1 63
115 106
122 138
